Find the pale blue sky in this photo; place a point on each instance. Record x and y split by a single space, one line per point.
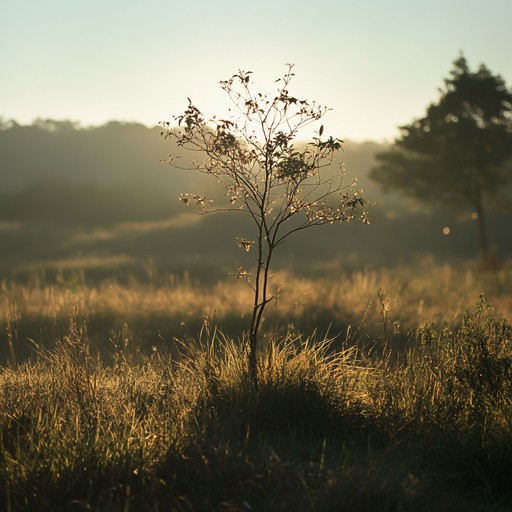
376 63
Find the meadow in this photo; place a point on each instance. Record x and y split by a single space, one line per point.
380 389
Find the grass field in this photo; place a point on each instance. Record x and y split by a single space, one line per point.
384 389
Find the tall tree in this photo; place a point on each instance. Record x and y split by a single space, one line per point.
460 153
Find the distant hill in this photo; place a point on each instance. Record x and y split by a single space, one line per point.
50 157
68 191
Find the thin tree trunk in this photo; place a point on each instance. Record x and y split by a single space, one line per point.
260 302
253 363
482 230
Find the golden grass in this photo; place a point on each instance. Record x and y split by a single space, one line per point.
424 428
379 302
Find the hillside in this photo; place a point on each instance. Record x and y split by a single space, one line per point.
71 193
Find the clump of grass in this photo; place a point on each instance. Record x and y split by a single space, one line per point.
461 373
449 398
306 388
75 434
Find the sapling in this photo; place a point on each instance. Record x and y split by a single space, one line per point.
283 184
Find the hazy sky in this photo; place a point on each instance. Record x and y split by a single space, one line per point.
376 63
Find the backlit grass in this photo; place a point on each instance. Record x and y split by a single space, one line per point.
383 417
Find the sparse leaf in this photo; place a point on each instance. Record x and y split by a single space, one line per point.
246 244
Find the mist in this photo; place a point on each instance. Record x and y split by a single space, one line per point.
76 194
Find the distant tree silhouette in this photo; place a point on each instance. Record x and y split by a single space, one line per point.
283 187
460 152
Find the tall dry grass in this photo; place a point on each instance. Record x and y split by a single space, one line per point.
425 428
377 305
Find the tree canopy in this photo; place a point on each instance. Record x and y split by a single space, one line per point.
460 152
